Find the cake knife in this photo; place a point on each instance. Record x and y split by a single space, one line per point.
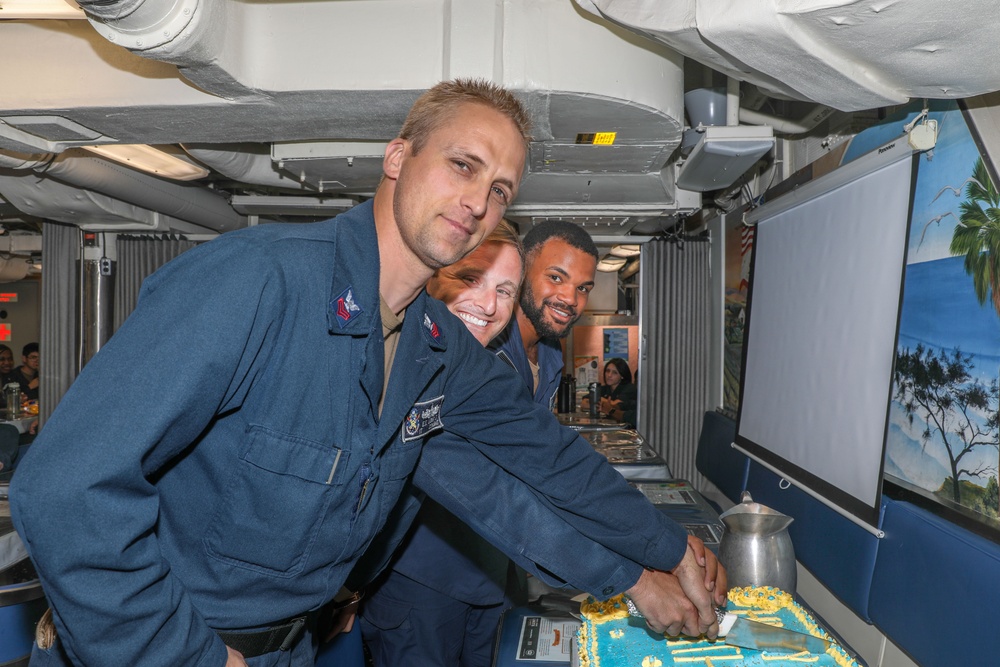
738 631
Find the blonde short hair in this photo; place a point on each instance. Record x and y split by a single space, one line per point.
505 233
438 105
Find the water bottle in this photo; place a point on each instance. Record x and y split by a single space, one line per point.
562 397
12 396
595 399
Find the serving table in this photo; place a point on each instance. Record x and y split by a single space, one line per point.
20 423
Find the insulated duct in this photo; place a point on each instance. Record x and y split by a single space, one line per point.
50 199
247 163
75 167
814 117
13 269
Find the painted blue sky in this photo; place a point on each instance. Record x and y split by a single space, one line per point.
942 172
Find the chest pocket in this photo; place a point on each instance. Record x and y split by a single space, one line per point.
275 501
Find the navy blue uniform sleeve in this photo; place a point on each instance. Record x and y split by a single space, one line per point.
575 562
83 500
487 409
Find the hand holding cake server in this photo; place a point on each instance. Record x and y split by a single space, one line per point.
683 601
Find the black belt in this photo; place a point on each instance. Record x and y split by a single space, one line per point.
277 638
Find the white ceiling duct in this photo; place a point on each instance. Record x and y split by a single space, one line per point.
13 269
249 163
74 167
47 198
847 54
592 123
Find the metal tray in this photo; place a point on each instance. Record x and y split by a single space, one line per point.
630 454
619 436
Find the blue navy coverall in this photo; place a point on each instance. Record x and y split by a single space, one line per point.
550 362
221 465
441 601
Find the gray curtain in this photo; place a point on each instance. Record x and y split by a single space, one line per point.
58 337
675 316
138 257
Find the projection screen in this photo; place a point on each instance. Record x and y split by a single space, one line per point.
820 334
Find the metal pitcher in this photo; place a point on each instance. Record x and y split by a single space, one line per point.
756 548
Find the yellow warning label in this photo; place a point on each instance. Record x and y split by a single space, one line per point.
596 138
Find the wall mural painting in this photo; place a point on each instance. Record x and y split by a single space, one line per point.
739 243
943 416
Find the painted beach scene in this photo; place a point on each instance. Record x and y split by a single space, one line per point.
944 433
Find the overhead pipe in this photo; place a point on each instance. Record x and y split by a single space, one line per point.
192 203
36 195
141 25
247 163
816 115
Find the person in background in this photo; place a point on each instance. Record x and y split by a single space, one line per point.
243 438
561 262
6 364
618 394
27 373
441 601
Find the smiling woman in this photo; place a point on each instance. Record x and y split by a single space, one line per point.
481 289
446 580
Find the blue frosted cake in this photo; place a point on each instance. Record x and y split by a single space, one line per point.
609 637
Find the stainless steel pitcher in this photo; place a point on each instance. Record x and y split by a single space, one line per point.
756 548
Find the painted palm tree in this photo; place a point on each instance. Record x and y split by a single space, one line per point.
978 235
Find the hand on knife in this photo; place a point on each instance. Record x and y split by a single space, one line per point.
678 602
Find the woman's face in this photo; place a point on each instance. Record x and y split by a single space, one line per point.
481 289
612 377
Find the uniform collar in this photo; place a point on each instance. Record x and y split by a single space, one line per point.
353 308
430 313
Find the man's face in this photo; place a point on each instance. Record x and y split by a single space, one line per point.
481 289
31 361
6 362
557 284
453 193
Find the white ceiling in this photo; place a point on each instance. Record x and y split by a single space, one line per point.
284 99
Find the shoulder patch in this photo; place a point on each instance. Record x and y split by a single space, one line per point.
345 307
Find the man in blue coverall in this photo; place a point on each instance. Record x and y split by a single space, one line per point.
214 473
560 263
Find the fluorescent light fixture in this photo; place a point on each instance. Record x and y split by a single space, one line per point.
40 9
151 160
626 250
611 264
723 154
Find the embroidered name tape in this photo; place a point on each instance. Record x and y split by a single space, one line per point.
424 418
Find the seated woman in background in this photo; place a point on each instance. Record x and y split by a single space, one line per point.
618 394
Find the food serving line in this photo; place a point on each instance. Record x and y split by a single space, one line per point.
540 634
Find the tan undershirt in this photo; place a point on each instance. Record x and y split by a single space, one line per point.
392 324
534 377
